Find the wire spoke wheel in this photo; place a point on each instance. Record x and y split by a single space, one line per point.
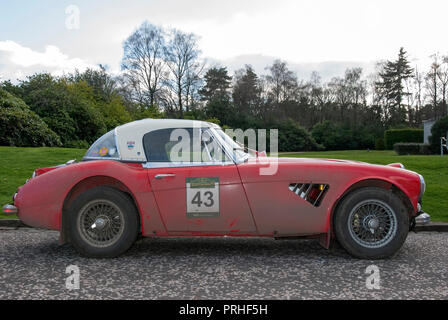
101 223
372 224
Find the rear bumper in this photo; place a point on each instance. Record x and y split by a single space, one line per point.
9 209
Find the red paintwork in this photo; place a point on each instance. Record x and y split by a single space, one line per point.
250 204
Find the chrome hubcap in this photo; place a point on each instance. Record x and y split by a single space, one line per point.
372 223
101 223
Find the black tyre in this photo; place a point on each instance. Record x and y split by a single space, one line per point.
371 223
102 223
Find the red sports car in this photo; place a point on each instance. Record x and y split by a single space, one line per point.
144 178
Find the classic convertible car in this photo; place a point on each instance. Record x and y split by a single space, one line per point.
158 178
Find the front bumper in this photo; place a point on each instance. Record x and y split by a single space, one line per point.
423 218
10 210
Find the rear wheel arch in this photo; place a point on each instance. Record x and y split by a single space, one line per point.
383 184
89 183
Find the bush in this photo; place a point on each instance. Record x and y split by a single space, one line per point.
412 149
293 137
21 127
379 144
393 136
438 130
334 137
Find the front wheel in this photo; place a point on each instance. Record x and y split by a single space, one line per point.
102 223
371 223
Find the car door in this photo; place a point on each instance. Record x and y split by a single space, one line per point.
202 194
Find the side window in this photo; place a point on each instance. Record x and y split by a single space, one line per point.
182 146
156 143
103 148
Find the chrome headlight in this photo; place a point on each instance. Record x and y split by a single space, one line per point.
422 187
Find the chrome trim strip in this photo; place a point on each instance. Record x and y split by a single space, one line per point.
222 145
94 158
165 175
155 165
116 143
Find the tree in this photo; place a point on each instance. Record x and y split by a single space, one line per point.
393 75
293 137
418 85
247 92
182 57
68 108
102 93
143 62
443 78
217 84
103 85
215 93
21 127
432 85
48 98
282 82
357 91
438 130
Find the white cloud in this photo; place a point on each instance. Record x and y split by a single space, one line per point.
18 61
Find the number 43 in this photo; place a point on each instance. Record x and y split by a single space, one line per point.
209 199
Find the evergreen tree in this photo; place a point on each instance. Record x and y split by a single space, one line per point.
216 96
393 76
217 84
247 92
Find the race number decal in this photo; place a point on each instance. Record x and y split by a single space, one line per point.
202 197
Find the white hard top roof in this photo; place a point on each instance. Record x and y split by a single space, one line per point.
147 125
129 137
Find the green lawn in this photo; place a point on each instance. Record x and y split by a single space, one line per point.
433 168
18 164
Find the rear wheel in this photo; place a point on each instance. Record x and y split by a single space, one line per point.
371 223
102 223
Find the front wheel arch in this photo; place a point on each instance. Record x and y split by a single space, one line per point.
364 184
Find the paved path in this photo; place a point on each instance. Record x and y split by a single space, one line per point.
33 265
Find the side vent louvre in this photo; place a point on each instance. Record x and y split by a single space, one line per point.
313 193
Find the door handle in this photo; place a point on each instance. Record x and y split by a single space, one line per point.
166 175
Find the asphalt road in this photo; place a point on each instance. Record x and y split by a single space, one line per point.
33 266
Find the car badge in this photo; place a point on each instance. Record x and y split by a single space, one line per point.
131 145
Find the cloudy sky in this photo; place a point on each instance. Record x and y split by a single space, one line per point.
322 35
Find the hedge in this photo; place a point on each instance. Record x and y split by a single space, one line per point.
393 136
412 149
